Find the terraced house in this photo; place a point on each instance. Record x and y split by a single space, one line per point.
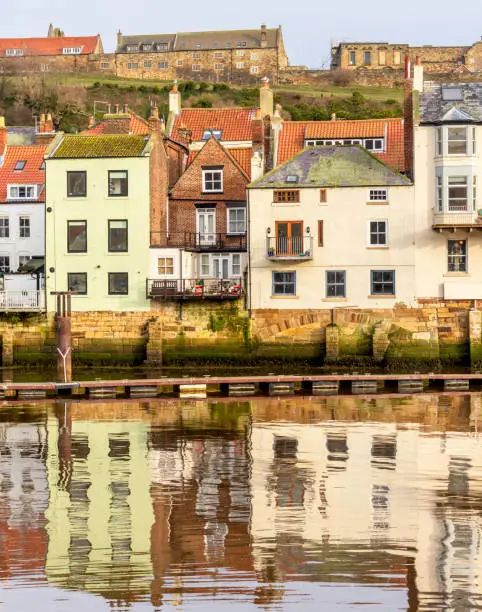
235 56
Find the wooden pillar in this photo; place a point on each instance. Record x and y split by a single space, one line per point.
64 337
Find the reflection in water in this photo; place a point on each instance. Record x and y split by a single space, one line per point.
322 502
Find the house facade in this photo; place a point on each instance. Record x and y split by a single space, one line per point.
331 228
236 56
99 210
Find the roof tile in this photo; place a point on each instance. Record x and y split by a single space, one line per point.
137 126
241 156
31 173
235 123
49 46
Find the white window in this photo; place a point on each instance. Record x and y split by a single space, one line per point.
219 55
457 140
196 55
196 68
24 227
23 259
440 194
254 56
4 227
474 192
72 50
240 53
205 265
239 65
474 141
236 220
438 142
378 232
457 256
165 266
4 263
374 144
254 69
132 48
162 65
22 192
212 181
236 267
206 225
378 195
458 194
13 52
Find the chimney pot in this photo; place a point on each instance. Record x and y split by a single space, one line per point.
116 107
108 109
333 116
418 60
2 121
126 109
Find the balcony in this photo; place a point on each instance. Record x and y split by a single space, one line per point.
22 301
457 219
201 242
194 289
289 248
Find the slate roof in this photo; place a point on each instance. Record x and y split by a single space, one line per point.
49 46
216 39
137 126
293 134
451 102
31 174
342 166
235 123
102 145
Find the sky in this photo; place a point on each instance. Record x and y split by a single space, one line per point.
309 28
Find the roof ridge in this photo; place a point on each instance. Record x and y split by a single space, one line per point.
230 108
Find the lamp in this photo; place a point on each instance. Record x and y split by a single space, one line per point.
268 231
308 229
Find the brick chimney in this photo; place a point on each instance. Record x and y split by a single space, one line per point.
3 139
45 130
408 118
266 99
257 125
119 38
276 127
184 135
263 39
117 122
154 122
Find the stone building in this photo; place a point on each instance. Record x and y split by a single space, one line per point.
384 55
236 56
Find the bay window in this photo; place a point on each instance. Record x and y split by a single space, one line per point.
457 194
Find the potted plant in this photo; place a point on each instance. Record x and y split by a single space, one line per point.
271 252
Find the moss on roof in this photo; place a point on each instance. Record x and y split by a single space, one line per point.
336 166
100 145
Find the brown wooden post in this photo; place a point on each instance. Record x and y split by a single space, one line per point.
64 336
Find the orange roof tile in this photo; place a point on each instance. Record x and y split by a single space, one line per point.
49 46
293 135
31 174
235 123
138 126
3 140
241 156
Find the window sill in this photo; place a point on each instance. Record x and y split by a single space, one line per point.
382 296
117 197
212 192
280 204
457 274
285 297
376 202
235 234
117 253
335 299
378 247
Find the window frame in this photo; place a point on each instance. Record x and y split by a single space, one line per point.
84 274
459 263
335 284
5 267
205 180
284 282
372 195
196 68
452 206
229 221
282 196
109 241
111 275
26 227
69 174
367 55
321 237
6 227
18 198
449 141
69 250
382 282
20 165
166 267
117 195
352 58
377 232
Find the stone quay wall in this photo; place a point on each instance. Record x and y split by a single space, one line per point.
433 334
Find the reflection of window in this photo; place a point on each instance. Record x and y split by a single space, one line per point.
118 235
384 452
77 184
236 220
337 447
457 256
77 282
284 283
380 496
118 283
4 263
4 227
285 448
24 227
118 183
165 265
77 236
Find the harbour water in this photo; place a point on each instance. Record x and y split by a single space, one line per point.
273 503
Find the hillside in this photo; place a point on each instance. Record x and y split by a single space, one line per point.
72 98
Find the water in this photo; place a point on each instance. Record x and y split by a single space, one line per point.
273 504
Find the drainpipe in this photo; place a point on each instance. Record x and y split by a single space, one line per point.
248 244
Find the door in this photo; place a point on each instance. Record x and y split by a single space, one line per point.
289 237
221 267
206 225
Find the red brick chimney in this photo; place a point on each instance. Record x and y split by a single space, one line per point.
45 130
117 122
408 124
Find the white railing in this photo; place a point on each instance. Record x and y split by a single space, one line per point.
457 218
19 300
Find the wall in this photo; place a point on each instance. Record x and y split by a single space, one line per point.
14 246
59 64
97 208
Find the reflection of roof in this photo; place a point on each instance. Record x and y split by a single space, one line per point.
462 99
235 123
241 156
343 166
137 126
31 174
102 145
49 46
293 134
216 40
35 264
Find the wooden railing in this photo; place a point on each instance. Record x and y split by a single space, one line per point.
22 300
200 241
194 289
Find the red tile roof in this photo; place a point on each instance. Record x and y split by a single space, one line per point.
293 135
3 140
235 123
30 175
138 126
49 46
241 156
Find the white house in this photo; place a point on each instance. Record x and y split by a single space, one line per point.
332 226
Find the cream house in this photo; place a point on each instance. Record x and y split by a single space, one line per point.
331 227
97 221
448 174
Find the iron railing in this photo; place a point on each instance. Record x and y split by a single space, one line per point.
289 247
200 241
22 300
194 289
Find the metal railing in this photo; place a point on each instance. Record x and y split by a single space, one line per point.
192 289
289 247
453 219
200 241
22 300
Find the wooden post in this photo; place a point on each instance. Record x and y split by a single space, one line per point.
64 336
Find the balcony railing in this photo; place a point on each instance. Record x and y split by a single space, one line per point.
299 248
200 241
455 219
194 289
25 301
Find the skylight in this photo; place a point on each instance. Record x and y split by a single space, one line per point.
452 94
20 165
209 132
291 178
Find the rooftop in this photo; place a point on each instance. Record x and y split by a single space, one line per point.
137 126
451 102
97 146
340 166
235 123
50 46
31 173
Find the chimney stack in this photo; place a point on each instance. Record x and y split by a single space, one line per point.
126 109
107 109
174 100
418 75
266 99
119 38
2 122
257 169
116 109
264 42
407 67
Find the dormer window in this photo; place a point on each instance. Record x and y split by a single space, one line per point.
147 48
22 192
162 46
132 48
228 45
20 165
197 46
210 132
72 50
13 52
212 180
